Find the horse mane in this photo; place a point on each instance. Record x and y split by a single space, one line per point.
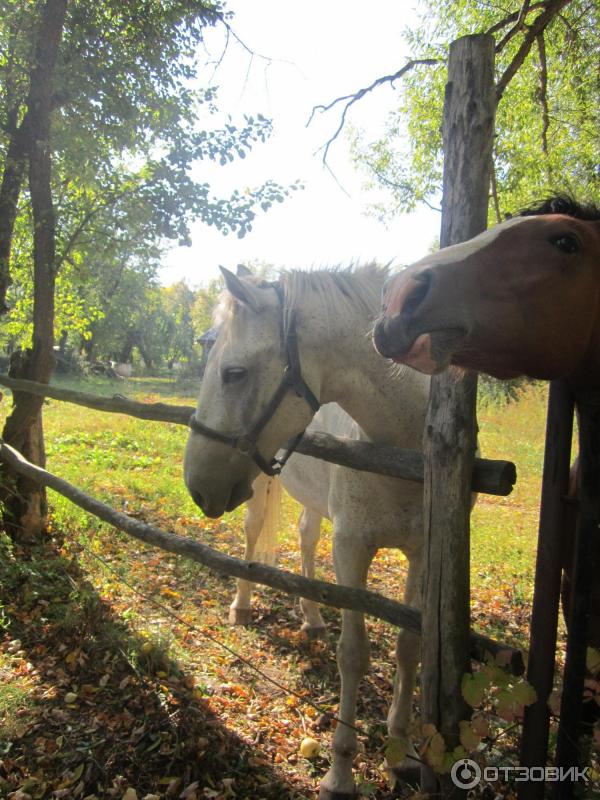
356 289
563 204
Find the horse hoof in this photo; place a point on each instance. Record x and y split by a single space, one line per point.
313 632
240 616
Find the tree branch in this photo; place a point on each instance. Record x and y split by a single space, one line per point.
494 187
397 185
350 99
516 16
83 224
539 25
519 25
544 92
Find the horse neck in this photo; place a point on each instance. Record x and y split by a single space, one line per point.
387 402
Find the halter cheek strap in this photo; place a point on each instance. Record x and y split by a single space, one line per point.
247 443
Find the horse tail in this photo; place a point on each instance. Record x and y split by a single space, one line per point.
266 549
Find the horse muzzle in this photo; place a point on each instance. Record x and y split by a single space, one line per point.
403 295
390 337
390 340
215 505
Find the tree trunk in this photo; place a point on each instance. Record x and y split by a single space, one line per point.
88 347
62 344
10 189
135 339
24 501
127 349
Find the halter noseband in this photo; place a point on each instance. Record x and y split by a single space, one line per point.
247 443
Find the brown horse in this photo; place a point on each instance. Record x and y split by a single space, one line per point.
520 299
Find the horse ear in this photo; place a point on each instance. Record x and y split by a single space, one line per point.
242 271
245 292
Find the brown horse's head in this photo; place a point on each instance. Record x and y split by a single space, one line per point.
520 299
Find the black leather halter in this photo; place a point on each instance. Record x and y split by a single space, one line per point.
292 380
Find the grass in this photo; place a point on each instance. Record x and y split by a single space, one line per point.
137 465
85 611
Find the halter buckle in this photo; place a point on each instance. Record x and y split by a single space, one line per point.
244 445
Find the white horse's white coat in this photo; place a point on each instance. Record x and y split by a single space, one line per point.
334 313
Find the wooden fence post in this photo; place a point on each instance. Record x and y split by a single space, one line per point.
586 563
546 593
450 430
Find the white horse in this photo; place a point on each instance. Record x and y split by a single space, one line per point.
307 481
283 346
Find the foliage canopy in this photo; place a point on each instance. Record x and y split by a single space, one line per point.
548 116
133 118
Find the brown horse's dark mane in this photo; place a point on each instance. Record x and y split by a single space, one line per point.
563 204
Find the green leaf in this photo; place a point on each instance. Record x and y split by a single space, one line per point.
473 690
395 750
593 660
523 693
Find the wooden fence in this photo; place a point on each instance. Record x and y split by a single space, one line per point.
481 647
490 476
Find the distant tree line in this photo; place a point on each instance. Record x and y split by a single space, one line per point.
125 317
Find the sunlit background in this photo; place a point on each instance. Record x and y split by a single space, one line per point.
297 57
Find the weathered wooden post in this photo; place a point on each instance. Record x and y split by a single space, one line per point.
585 571
450 430
546 596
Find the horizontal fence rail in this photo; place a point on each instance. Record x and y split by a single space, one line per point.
490 476
398 614
157 412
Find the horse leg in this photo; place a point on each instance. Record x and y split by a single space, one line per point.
351 560
408 648
240 611
309 527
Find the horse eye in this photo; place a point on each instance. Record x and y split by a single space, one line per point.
566 242
234 374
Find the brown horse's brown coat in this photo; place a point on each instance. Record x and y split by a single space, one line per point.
521 299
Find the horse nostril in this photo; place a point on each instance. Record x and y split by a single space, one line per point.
198 499
418 294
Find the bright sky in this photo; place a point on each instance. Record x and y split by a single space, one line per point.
318 51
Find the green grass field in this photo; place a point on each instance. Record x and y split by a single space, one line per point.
138 640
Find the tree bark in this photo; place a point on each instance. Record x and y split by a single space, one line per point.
24 502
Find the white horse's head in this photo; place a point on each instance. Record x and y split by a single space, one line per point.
244 373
